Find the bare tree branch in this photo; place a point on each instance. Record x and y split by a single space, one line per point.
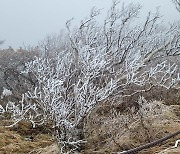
177 3
97 63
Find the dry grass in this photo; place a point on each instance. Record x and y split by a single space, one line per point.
109 133
110 128
14 142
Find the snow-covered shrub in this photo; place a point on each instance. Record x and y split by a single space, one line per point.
5 93
98 63
2 110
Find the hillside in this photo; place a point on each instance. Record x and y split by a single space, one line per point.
106 134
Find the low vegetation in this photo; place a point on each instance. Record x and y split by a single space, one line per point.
94 88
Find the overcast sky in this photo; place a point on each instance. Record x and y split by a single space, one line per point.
29 21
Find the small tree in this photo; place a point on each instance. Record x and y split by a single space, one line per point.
97 63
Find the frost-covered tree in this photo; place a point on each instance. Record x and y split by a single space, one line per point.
95 64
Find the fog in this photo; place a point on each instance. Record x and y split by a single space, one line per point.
25 22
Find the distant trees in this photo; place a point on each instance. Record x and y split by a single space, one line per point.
9 58
97 63
11 64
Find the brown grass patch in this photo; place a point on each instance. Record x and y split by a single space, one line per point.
13 142
108 133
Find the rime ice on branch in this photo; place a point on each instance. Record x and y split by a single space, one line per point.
96 63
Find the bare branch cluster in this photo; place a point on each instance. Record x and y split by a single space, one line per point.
177 3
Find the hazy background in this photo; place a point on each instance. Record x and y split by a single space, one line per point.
25 22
